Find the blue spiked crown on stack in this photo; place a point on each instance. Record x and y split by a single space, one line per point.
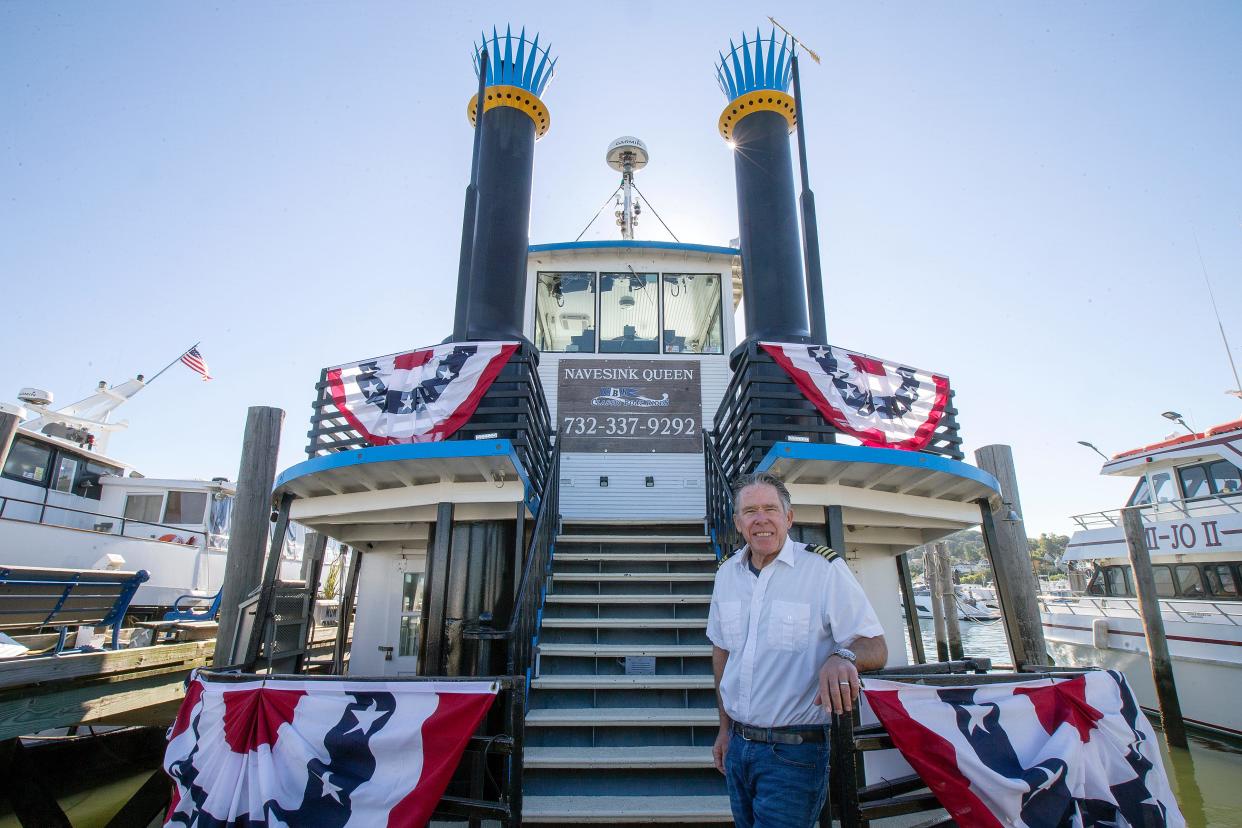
518 70
755 77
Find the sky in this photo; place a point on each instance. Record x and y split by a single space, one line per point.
1009 194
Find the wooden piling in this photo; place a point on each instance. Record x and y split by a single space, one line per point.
345 617
1004 538
252 508
1153 628
912 614
948 601
931 574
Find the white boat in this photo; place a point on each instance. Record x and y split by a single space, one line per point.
967 609
1187 490
65 503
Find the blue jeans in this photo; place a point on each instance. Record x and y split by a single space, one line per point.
776 786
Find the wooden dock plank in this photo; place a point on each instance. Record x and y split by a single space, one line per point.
23 672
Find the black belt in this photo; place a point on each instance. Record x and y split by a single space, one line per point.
804 734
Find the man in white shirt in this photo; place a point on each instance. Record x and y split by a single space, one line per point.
790 628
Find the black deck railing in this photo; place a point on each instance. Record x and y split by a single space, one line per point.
719 491
520 635
763 406
513 408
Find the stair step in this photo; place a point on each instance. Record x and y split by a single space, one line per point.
617 810
692 681
629 599
625 623
658 756
616 577
622 650
623 717
644 539
673 557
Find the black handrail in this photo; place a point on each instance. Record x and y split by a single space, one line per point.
522 632
719 491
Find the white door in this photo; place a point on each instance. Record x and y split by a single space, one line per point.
406 618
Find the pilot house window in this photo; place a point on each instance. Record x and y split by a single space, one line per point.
629 313
692 313
565 312
637 313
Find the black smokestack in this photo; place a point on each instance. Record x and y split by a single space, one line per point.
513 118
756 123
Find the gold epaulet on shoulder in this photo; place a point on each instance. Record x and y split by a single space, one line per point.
723 558
824 552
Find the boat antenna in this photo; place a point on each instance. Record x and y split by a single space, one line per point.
809 51
174 362
1236 391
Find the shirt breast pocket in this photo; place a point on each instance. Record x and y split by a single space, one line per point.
731 625
789 626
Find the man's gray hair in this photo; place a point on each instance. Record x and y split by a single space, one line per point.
762 479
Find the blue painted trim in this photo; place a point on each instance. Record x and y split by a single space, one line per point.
406 451
835 453
610 244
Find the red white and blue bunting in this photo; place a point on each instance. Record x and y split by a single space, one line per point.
883 404
1073 752
318 752
421 396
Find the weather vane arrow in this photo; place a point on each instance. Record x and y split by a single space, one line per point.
797 42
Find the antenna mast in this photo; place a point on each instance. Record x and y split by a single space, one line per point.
625 155
1236 391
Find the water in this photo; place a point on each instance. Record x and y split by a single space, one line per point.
1207 778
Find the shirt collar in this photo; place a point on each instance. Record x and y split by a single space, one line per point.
785 556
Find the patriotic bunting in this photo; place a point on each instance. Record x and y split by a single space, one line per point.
339 753
1074 752
881 403
417 397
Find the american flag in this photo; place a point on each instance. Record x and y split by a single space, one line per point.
193 360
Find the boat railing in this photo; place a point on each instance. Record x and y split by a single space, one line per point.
33 511
513 408
521 635
1213 504
763 406
719 490
1226 613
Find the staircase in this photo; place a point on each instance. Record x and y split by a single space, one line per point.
604 747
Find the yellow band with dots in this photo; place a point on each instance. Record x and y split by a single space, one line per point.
516 97
762 100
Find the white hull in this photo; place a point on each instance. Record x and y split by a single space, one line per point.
1207 657
175 569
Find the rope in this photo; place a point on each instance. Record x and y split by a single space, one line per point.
653 209
600 210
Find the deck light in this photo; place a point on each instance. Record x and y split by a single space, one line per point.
603 481
1093 448
1177 418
